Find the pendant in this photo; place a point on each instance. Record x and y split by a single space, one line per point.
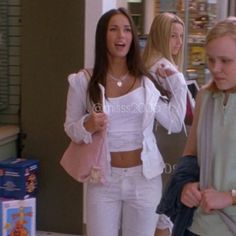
119 83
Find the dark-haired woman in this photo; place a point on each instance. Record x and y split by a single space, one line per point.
128 102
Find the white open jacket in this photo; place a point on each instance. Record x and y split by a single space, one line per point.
169 114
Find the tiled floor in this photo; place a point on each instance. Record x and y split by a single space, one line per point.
43 233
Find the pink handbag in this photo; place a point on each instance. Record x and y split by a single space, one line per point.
87 162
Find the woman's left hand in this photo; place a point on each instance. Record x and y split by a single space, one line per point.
213 200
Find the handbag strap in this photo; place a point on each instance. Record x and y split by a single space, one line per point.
206 158
88 76
98 107
87 73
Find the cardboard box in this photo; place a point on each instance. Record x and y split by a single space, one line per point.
17 217
18 178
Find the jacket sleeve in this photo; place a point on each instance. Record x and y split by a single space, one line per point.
171 114
76 109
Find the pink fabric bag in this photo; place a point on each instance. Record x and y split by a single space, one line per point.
87 162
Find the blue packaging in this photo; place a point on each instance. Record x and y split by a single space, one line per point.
18 178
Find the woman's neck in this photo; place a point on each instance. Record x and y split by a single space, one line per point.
118 68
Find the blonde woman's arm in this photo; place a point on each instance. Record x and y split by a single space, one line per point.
191 195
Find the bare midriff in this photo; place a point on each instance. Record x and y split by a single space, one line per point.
126 159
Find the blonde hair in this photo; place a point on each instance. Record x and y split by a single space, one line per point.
226 27
158 40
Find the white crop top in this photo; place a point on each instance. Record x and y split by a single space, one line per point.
125 121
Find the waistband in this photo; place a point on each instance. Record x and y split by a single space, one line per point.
127 171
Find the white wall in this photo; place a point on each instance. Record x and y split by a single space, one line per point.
93 11
148 15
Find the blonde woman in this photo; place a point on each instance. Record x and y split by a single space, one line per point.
221 53
163 56
164 44
209 196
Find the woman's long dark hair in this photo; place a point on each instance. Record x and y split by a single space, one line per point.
134 62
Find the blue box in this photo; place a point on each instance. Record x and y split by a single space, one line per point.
18 217
18 178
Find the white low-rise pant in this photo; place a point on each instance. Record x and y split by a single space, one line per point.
127 202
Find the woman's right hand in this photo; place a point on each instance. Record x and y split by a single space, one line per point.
191 195
164 72
96 121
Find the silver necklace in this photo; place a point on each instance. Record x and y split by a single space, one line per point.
119 82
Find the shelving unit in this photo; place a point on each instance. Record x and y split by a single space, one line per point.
202 16
4 54
10 61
